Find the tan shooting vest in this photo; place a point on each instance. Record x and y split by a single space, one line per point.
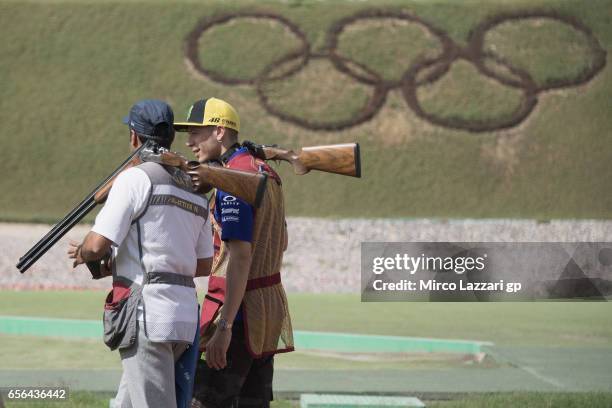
265 311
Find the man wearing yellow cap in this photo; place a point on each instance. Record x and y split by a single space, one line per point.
245 318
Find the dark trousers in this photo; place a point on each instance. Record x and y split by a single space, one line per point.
245 382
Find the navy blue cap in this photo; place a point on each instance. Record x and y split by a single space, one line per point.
152 119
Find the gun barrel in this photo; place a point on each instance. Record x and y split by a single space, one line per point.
45 243
73 217
57 226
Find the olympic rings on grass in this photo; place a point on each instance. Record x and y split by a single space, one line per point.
423 71
477 40
373 105
343 63
192 52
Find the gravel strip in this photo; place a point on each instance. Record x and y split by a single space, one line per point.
323 254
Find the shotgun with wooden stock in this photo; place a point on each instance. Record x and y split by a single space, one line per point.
248 186
341 159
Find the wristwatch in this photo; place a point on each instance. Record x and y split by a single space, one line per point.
224 324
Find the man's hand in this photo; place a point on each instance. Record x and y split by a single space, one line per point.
216 349
198 180
93 248
74 252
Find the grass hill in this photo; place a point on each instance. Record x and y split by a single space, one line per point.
439 138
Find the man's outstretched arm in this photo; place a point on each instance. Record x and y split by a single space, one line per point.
236 280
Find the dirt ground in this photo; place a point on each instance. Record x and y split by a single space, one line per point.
323 254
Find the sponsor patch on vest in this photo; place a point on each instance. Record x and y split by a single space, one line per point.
230 218
168 199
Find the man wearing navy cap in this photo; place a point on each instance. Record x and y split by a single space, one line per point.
159 238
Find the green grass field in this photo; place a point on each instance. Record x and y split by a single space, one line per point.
71 71
510 323
561 324
547 326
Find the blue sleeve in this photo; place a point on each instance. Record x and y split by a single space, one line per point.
235 217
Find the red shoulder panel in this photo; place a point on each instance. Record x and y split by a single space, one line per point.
246 162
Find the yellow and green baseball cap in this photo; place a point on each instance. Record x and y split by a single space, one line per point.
210 112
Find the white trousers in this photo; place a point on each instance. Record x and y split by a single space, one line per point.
148 373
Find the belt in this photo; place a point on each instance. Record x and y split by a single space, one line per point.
263 282
170 278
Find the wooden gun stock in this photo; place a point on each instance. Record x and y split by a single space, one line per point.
247 186
342 159
242 184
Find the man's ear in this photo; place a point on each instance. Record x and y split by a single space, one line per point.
220 134
134 141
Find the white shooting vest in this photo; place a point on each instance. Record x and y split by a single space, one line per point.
159 254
